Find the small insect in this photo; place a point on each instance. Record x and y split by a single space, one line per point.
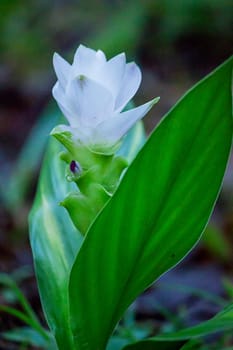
75 167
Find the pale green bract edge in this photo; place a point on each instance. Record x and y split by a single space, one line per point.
158 212
54 240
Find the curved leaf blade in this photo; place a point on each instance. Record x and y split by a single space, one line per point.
148 344
223 321
55 242
158 212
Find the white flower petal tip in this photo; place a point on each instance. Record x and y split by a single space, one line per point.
91 93
61 68
117 127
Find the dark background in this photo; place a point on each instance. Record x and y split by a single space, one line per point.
175 43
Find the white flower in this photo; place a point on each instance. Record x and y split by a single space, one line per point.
92 93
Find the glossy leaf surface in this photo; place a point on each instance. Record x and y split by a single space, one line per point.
54 242
158 212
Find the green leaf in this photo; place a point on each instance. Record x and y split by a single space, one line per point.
116 343
29 336
55 243
152 345
54 240
28 315
223 321
158 212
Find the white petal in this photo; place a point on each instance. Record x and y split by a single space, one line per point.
88 62
114 129
129 86
92 102
62 69
84 52
101 56
113 72
65 106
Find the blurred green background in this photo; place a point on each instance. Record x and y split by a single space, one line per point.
174 42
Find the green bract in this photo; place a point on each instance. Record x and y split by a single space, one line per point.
96 179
